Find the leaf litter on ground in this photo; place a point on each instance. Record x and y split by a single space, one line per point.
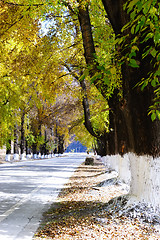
85 209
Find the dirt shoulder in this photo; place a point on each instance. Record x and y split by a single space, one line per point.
80 210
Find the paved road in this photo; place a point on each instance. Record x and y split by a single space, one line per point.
27 189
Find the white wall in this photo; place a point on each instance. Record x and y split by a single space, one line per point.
142 173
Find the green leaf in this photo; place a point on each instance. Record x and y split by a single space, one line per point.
125 5
139 5
157 37
158 114
131 4
146 52
154 83
86 72
82 78
132 54
146 7
153 116
133 63
157 73
134 48
144 85
124 28
137 28
95 77
149 35
132 29
100 68
113 70
153 52
142 21
106 81
84 75
133 15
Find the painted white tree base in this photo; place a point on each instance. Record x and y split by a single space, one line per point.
141 173
8 157
29 156
23 157
16 157
35 156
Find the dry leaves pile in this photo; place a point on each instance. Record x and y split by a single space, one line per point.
80 212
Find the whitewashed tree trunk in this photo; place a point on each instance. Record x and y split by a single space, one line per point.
8 157
8 151
23 156
35 156
29 156
15 142
145 179
16 157
141 173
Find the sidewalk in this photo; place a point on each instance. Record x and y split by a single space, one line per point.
81 210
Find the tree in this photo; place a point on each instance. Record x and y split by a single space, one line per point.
77 66
144 137
48 51
15 47
16 148
119 72
103 76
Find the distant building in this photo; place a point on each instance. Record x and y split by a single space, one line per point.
76 146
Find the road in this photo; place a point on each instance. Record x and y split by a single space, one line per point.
27 189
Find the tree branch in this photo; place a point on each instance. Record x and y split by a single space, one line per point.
14 23
22 5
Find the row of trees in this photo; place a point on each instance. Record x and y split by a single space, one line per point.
94 64
137 54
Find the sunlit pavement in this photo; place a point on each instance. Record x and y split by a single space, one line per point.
27 189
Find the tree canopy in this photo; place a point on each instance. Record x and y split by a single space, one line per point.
69 64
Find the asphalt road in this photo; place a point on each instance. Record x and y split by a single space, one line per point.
27 189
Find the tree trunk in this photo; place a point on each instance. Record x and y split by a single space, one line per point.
28 151
146 133
101 137
22 143
116 141
16 148
101 145
89 49
56 139
8 150
61 144
34 150
118 138
8 147
143 134
52 134
87 117
45 142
